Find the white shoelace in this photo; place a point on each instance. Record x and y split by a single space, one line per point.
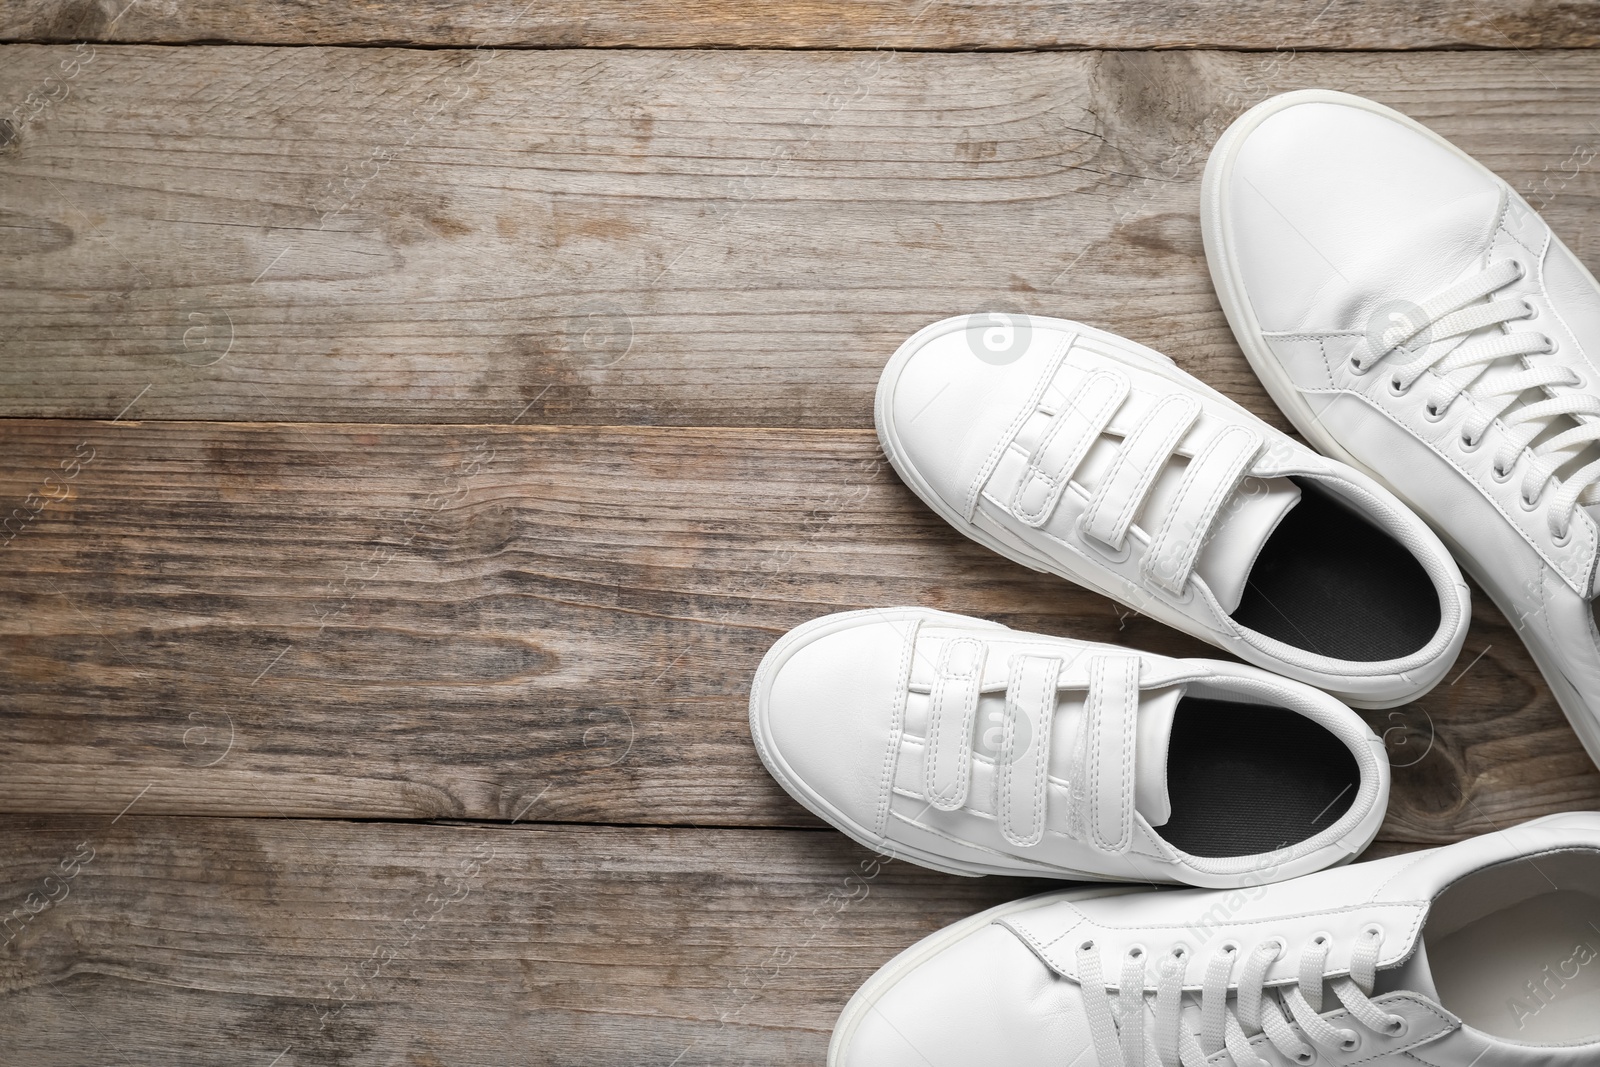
1461 369
1120 1037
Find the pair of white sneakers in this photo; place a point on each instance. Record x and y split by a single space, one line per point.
1419 324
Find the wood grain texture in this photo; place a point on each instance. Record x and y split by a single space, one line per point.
830 24
206 941
448 622
677 238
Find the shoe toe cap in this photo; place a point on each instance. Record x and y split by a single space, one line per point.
985 1000
948 398
1324 193
823 712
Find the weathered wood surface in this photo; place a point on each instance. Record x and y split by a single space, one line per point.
426 622
207 941
311 234
827 24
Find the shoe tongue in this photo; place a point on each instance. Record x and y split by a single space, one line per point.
1243 525
1152 741
1412 976
1420 258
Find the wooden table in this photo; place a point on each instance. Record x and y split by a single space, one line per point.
420 418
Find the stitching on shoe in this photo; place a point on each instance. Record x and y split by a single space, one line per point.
896 729
1052 367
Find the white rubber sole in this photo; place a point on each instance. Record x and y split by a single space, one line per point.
886 977
1229 284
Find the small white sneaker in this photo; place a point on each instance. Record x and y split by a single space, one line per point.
1413 316
1082 454
971 748
1482 953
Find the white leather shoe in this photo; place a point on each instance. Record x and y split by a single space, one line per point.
1414 317
1482 953
1082 454
971 748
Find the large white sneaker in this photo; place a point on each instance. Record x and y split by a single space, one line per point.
1481 954
1085 455
971 748
1413 316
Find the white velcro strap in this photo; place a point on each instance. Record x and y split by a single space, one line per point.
1066 441
1024 759
1212 477
1102 772
952 706
1146 450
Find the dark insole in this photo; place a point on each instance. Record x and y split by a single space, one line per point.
1246 779
1330 582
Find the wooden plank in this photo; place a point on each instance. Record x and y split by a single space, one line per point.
203 941
449 622
712 238
913 24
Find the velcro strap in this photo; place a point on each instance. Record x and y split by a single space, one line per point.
1102 772
1146 450
952 705
1066 441
1212 477
1024 759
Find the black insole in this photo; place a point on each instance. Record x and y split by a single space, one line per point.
1246 779
1330 582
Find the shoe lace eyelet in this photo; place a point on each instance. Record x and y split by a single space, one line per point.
1562 539
1530 311
1432 412
1499 475
1306 1059
1356 366
1528 505
1351 1041
1399 1026
1468 444
1396 387
1550 345
1522 271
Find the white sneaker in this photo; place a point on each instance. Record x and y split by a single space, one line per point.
1483 953
1082 454
1414 317
973 749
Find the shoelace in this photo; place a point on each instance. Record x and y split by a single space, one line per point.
1459 311
1120 1038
